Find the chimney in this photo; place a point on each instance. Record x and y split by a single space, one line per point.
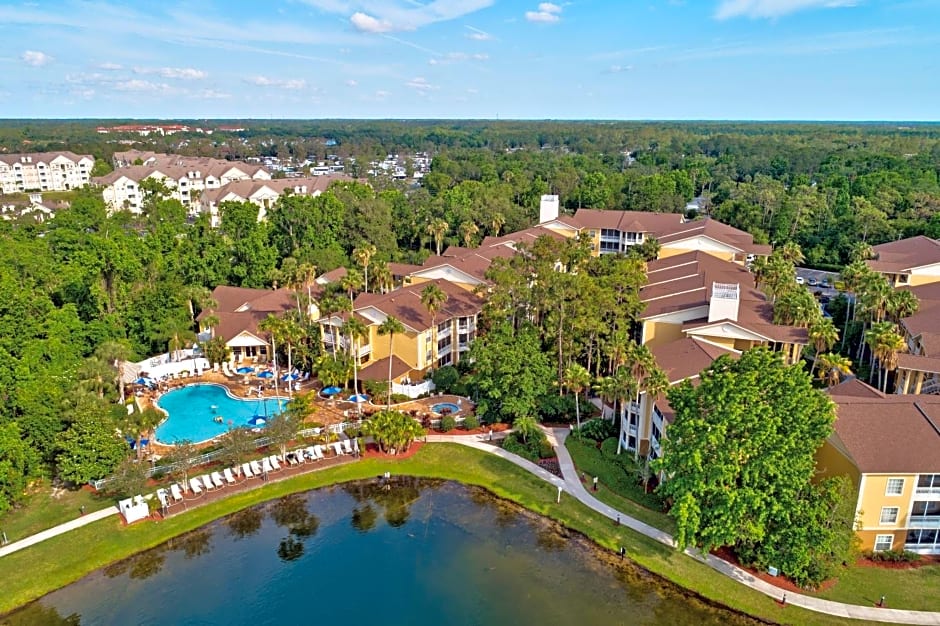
548 209
724 302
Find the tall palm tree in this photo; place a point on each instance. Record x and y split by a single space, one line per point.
116 354
467 231
437 229
308 274
363 255
577 379
496 223
356 331
901 303
391 327
199 297
824 334
95 375
759 270
140 424
433 298
791 251
178 333
889 344
351 283
382 276
851 277
834 367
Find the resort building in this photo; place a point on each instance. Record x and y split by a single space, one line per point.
44 171
918 369
263 193
889 446
237 314
427 343
907 262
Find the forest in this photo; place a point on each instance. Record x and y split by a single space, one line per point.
84 289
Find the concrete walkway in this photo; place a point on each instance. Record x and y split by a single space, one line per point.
78 522
573 485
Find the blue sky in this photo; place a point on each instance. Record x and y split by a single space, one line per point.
585 59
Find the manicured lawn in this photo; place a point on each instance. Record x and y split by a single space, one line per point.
615 487
45 508
54 563
917 589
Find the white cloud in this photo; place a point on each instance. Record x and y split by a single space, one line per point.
383 16
547 13
381 94
756 9
351 83
212 94
35 58
111 67
420 84
368 24
477 35
616 69
265 81
182 73
456 57
142 86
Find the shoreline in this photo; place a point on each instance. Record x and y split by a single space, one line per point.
505 482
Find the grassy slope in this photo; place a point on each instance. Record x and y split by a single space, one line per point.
44 509
32 572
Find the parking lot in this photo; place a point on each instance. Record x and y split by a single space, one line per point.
818 276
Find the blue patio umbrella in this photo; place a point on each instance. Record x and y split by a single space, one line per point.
331 391
143 381
257 420
289 377
265 374
245 370
358 398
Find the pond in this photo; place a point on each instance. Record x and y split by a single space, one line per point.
415 553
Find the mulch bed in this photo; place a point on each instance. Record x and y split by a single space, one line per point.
923 561
551 465
781 582
481 430
373 452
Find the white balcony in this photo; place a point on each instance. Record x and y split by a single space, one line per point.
927 491
924 521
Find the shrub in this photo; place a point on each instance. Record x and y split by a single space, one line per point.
512 444
893 556
398 398
445 378
597 429
448 422
470 422
535 448
555 408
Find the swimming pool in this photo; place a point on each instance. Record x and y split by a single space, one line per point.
445 406
191 412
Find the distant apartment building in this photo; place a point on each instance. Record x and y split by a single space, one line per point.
907 262
44 171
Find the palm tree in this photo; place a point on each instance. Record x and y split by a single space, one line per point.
95 375
437 229
496 223
851 277
577 379
178 333
363 254
391 327
351 283
861 251
888 345
834 366
433 298
467 231
198 296
116 353
308 274
901 303
141 423
791 251
356 331
759 269
824 334
382 276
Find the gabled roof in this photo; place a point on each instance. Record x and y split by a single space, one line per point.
378 370
405 304
42 157
925 324
241 309
717 231
887 434
656 224
332 276
686 357
904 255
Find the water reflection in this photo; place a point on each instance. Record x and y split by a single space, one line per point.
290 512
245 523
140 566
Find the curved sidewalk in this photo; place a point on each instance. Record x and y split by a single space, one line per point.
572 484
78 522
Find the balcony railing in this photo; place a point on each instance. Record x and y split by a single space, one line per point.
927 491
924 521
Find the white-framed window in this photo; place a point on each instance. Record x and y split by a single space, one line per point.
883 542
895 487
889 515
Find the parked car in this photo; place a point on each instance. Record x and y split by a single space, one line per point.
825 283
811 282
799 280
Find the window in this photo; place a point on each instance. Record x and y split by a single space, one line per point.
883 542
928 483
889 515
895 487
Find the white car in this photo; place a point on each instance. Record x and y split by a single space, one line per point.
799 280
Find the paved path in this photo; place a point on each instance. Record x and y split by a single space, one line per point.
573 485
58 530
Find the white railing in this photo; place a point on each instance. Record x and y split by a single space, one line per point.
414 390
924 521
927 491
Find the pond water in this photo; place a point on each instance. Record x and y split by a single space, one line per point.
417 553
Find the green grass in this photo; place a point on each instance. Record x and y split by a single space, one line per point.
30 573
915 589
44 508
616 488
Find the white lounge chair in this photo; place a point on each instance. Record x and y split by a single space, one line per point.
266 465
310 452
217 479
176 492
256 467
292 458
207 481
195 485
229 476
338 448
347 445
274 462
246 470
163 498
318 452
355 445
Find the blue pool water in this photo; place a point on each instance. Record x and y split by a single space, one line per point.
439 408
191 411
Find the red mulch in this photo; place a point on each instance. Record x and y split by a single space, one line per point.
373 452
923 561
481 430
781 582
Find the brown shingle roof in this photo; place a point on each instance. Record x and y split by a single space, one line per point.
888 434
686 357
718 231
378 370
657 224
405 304
925 324
241 309
905 254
